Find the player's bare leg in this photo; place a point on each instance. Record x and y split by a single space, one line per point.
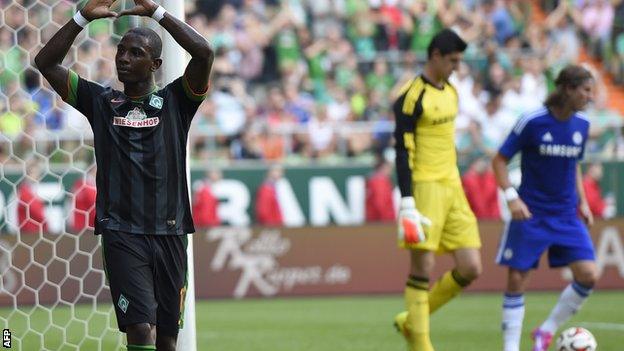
421 263
141 335
585 274
166 342
467 268
513 308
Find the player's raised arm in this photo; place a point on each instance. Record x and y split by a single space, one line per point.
48 61
517 207
198 69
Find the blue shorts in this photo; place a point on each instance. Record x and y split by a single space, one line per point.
523 242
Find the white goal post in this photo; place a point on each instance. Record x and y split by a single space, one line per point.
173 54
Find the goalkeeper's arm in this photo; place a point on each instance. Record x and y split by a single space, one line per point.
410 221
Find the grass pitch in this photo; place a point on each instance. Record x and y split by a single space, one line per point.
471 322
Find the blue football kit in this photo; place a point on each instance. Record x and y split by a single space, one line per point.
550 150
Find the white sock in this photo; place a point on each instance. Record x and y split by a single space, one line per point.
569 302
513 314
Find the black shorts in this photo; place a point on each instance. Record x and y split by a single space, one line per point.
147 278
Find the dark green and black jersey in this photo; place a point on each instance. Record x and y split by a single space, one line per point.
140 149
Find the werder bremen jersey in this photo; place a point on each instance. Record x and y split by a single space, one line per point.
140 149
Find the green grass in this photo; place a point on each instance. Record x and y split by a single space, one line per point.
470 322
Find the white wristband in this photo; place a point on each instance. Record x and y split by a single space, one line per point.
511 194
80 20
159 13
408 202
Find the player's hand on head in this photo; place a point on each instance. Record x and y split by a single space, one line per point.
410 222
519 210
95 9
141 8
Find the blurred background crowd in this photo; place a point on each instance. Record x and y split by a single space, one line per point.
300 81
295 80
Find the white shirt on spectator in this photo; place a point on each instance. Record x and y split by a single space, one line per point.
534 90
229 112
495 128
321 134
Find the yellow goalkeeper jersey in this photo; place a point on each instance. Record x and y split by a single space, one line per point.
425 115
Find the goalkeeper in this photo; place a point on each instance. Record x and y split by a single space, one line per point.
140 133
431 190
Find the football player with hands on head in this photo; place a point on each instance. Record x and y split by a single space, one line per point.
434 215
545 211
140 134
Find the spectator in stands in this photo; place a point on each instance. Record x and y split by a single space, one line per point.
617 64
562 26
299 104
205 203
533 83
342 54
603 207
481 189
268 212
30 207
231 104
380 77
12 117
247 146
500 18
83 209
597 23
379 191
495 124
271 143
604 127
322 133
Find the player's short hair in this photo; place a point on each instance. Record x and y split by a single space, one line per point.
153 39
447 42
572 76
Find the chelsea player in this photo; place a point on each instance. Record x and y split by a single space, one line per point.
545 210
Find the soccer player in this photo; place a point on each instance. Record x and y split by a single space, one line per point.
431 190
544 211
142 206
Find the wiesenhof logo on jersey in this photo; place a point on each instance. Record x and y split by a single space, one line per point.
136 118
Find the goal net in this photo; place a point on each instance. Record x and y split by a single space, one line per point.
53 289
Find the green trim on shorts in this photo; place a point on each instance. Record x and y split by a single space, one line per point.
104 259
141 347
183 290
72 88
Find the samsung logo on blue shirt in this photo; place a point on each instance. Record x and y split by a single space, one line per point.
559 150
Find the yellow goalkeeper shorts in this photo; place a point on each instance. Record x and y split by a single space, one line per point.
453 225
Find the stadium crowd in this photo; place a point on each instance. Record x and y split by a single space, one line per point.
300 79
